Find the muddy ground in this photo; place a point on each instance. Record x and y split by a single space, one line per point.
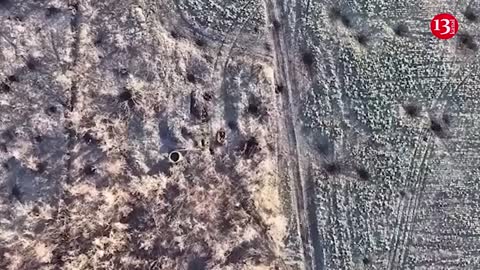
312 135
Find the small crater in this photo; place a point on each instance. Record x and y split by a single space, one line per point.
200 42
470 15
207 96
174 34
308 58
337 14
89 139
268 47
52 11
466 41
12 78
362 173
366 261
276 25
332 168
122 72
447 119
232 125
127 96
99 38
412 109
41 167
16 192
35 211
436 127
52 110
362 39
401 30
5 88
90 169
279 89
139 218
250 147
32 63
402 193
3 147
9 134
6 166
38 138
255 107
191 78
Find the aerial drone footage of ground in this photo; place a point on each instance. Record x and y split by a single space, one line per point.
238 134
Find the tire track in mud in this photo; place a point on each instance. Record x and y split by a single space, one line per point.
283 68
75 48
407 210
402 238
